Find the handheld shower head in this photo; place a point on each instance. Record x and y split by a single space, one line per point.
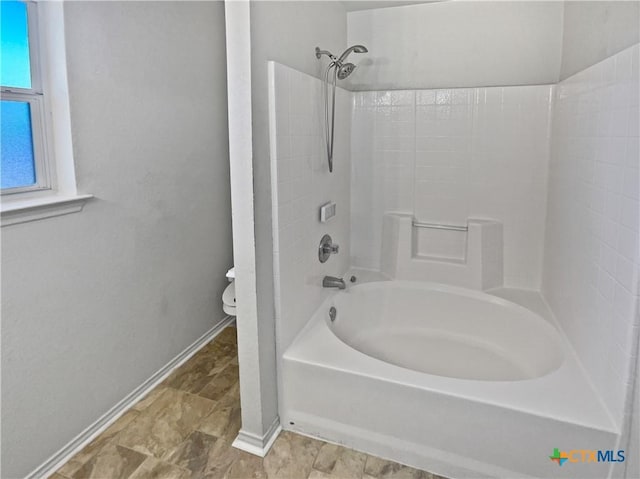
345 70
341 70
354 48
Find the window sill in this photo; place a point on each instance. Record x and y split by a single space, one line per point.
34 209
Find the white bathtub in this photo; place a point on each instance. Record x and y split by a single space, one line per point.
446 331
446 379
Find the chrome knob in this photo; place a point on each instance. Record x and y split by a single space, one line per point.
327 248
331 248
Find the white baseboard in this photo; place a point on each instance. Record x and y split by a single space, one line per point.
59 458
258 445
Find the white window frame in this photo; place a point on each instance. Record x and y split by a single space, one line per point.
55 192
34 96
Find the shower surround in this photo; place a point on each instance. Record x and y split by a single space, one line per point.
448 155
556 165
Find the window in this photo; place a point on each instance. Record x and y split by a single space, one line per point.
37 175
23 144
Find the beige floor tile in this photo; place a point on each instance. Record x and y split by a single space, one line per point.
398 471
374 465
113 462
221 457
221 384
384 469
316 474
146 401
327 457
232 397
70 467
165 423
153 468
223 423
247 466
193 453
199 370
81 458
227 335
205 456
221 348
350 464
291 456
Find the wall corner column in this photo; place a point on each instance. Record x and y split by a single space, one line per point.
260 422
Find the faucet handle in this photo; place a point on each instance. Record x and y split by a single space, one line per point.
327 248
332 248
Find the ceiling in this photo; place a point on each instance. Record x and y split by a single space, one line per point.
354 5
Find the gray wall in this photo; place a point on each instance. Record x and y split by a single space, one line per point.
94 303
286 32
594 31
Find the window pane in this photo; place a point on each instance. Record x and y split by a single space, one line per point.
18 167
15 66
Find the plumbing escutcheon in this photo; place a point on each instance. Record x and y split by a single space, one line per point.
327 248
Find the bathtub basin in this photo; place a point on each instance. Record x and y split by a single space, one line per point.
446 331
446 379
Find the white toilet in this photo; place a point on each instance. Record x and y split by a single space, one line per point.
229 294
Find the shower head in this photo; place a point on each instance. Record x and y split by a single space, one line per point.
354 48
345 70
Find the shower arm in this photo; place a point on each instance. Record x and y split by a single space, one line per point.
319 54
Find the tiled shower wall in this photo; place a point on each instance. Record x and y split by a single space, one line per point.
447 155
301 182
592 244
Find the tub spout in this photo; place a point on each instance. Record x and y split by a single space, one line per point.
332 282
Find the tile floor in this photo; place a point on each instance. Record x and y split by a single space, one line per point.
183 429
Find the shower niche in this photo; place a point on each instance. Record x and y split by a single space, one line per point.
475 259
